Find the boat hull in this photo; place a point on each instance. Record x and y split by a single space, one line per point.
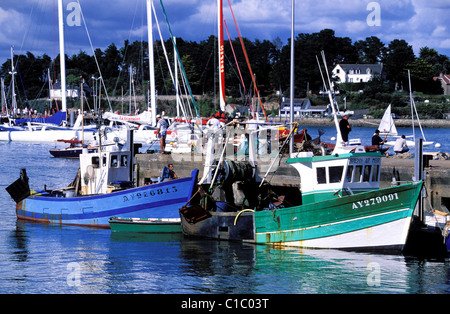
376 220
42 136
161 200
233 226
368 221
70 152
145 225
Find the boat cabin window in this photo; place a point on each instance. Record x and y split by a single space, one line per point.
321 175
366 176
114 161
375 172
336 174
349 175
95 162
358 172
123 161
104 160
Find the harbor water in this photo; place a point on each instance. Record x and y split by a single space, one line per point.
42 259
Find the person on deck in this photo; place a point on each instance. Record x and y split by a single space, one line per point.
400 146
172 174
377 141
345 128
213 123
161 129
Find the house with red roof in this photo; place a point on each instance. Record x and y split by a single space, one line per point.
445 81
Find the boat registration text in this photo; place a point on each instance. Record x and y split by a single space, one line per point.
375 200
151 193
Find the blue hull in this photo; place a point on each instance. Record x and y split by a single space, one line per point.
161 200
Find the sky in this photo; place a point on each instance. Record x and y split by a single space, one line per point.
31 25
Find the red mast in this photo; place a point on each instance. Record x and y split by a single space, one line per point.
221 57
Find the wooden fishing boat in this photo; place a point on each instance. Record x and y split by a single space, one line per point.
103 188
145 225
338 203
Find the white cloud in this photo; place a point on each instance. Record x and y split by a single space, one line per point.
11 26
419 22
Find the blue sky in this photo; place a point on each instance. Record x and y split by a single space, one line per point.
31 25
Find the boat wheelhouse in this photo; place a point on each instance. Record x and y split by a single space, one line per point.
103 188
325 177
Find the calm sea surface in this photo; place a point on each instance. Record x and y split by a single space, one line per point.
40 258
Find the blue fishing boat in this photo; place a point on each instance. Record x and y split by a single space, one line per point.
103 188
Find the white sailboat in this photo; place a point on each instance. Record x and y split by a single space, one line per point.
47 133
387 125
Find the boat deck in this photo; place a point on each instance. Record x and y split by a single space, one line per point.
436 183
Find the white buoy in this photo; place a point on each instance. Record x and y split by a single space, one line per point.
437 145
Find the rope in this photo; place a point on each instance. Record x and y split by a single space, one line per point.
235 59
93 52
166 57
248 62
178 56
237 216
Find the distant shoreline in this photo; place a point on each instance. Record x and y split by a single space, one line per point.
431 123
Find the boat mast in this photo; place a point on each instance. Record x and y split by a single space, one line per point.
4 107
291 143
175 61
221 56
151 61
62 56
411 104
330 90
13 88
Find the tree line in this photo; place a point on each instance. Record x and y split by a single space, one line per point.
269 60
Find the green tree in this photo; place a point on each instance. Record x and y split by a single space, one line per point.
422 77
440 63
398 55
371 50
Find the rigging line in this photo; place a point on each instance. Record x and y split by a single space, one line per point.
23 87
248 62
95 57
234 55
126 49
178 56
165 52
185 92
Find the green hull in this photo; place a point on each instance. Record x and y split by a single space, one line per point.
346 219
145 225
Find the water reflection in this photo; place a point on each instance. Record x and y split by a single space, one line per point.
40 255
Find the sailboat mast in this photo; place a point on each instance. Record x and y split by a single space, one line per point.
4 107
291 143
411 100
151 61
221 56
13 88
175 61
62 56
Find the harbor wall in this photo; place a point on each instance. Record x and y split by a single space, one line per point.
437 174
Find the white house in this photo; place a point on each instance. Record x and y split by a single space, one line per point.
356 73
302 107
